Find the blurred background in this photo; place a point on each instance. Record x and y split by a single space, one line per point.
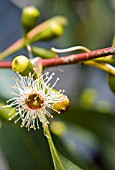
85 133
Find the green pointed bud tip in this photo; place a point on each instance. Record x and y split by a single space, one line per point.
62 106
111 82
20 63
54 30
57 28
29 17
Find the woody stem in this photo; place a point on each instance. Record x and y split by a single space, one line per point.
85 58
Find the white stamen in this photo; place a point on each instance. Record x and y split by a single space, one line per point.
25 87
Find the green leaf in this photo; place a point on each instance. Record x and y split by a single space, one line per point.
23 149
68 165
60 162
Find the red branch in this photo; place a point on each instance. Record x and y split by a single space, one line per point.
71 59
75 58
5 64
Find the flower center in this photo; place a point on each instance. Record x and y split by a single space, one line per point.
34 101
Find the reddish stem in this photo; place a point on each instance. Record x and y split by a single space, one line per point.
75 58
5 64
71 59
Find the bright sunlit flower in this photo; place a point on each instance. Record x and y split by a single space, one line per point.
33 99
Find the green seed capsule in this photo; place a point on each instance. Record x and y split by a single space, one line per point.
22 65
55 29
29 17
111 82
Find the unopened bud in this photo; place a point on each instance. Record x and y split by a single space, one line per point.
55 29
22 65
29 18
62 105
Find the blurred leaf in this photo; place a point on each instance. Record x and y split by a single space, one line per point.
23 149
81 145
97 27
103 125
89 96
109 155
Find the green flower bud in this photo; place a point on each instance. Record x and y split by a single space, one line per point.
63 105
43 53
55 29
29 17
22 65
111 82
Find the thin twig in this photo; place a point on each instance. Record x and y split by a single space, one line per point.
75 58
5 64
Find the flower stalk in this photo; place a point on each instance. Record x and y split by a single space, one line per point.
53 151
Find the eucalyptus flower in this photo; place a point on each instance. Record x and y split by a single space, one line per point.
34 98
